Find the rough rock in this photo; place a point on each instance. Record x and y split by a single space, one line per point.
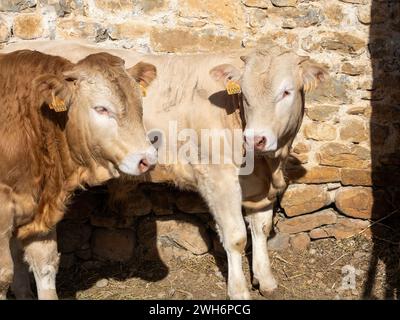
322 112
128 30
356 177
263 4
228 13
74 28
355 1
300 241
334 14
114 6
4 31
352 70
284 3
307 222
342 155
185 40
354 130
279 242
257 18
301 147
16 5
152 6
172 237
320 131
300 199
342 42
102 283
314 174
344 228
362 202
28 26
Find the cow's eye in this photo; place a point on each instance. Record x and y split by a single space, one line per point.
102 110
285 94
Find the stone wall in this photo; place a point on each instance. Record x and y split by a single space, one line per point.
340 172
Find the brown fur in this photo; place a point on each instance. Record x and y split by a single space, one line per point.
36 159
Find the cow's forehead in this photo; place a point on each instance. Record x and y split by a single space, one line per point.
285 61
100 87
282 67
272 69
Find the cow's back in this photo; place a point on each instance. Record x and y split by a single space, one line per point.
183 89
183 94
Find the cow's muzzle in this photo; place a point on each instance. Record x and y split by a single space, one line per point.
260 141
137 163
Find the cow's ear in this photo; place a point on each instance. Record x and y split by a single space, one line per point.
55 90
224 73
143 72
311 74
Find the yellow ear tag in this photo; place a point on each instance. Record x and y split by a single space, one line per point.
57 104
143 90
232 87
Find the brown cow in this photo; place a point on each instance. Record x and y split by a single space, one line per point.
62 126
191 94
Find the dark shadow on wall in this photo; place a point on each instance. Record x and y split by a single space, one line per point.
384 48
81 267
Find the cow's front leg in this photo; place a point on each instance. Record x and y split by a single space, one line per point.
7 209
260 223
43 259
21 286
6 264
221 189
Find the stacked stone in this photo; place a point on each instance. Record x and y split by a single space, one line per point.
159 223
332 192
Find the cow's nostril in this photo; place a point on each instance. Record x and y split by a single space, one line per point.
144 165
260 142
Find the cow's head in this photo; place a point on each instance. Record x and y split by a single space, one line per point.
273 83
103 106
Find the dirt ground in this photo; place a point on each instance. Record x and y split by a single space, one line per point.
329 269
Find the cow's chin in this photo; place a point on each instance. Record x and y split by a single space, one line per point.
269 154
268 151
129 169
